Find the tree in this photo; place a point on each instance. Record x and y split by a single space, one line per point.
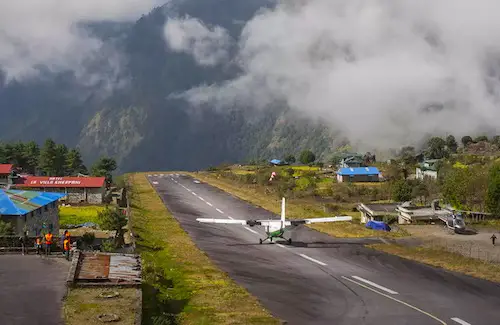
402 191
74 163
451 143
436 148
290 159
113 220
466 140
420 192
481 138
31 155
496 140
104 167
48 158
60 161
465 188
493 192
307 157
5 228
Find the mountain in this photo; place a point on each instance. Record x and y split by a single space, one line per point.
138 123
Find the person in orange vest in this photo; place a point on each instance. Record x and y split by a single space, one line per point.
66 247
48 242
38 244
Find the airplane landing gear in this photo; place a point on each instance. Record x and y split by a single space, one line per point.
289 241
260 241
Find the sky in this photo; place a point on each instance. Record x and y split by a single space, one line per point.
384 73
36 32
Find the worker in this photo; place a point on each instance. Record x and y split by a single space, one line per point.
38 244
66 247
493 238
48 242
24 241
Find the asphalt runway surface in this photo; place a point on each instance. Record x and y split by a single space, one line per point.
321 279
31 289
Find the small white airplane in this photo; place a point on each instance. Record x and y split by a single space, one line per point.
275 228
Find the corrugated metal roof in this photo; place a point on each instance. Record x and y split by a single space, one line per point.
59 182
6 168
109 268
16 202
358 171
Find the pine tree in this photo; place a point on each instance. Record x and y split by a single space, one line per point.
74 163
48 157
60 161
31 155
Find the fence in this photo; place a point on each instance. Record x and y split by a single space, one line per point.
481 251
13 243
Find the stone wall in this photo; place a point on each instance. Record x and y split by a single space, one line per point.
95 195
75 195
35 220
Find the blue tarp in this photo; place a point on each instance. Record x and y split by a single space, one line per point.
378 225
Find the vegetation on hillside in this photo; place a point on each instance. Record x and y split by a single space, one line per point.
52 159
181 285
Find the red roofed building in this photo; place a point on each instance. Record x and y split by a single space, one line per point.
78 189
5 170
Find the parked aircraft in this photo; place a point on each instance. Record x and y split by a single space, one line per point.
275 228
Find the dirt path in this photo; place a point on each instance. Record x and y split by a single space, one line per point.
32 289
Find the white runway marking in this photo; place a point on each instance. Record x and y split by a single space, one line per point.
156 183
280 245
460 321
312 259
220 211
230 218
201 198
397 300
251 230
196 181
375 285
150 175
210 204
194 193
156 175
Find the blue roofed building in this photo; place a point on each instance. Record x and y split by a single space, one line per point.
31 211
358 174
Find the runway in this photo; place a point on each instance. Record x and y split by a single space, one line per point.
320 279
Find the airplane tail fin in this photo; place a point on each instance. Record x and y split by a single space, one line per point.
283 211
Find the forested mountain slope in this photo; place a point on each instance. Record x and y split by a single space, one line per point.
138 123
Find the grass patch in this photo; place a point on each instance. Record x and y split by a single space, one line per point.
444 259
299 208
488 224
75 215
180 280
83 305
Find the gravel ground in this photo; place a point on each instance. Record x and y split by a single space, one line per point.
477 245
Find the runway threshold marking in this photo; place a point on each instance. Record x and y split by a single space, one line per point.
156 183
251 230
312 259
375 285
460 321
395 299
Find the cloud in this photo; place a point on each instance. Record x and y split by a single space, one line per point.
384 73
34 32
208 46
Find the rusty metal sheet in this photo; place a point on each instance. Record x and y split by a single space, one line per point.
94 267
125 268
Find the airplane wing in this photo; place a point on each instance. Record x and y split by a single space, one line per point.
240 221
297 222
